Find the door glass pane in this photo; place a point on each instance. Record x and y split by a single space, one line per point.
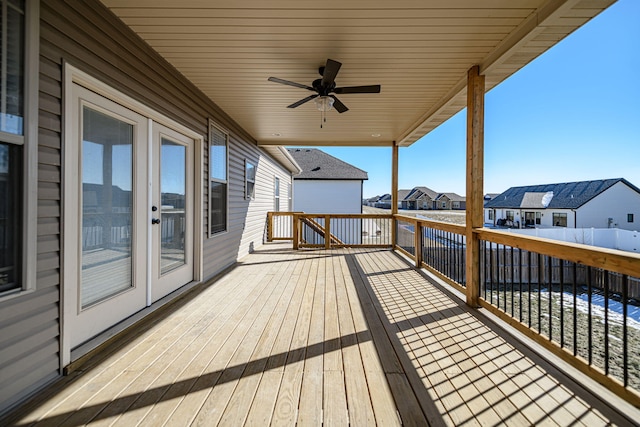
173 196
107 206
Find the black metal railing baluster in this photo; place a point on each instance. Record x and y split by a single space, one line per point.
540 279
625 336
550 287
513 273
589 318
561 279
520 284
529 287
575 309
606 321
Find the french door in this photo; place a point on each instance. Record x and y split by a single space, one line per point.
172 211
128 232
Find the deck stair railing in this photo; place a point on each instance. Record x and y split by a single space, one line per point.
319 230
330 230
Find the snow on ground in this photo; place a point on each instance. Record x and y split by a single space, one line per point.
597 308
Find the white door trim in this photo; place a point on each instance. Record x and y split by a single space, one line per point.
73 75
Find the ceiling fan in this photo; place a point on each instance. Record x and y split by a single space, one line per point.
325 88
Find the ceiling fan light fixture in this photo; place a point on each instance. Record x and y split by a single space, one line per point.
324 103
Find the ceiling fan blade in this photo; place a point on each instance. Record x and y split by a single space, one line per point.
288 83
302 101
358 89
330 72
338 105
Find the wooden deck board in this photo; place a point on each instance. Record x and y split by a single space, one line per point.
310 337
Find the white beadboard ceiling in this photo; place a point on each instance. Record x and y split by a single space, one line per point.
419 51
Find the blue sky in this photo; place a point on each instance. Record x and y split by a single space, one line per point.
573 114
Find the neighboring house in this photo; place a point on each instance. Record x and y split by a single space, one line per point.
326 184
423 198
384 202
419 198
608 203
450 201
401 195
488 213
161 188
371 201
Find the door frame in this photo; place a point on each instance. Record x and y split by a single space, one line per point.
69 274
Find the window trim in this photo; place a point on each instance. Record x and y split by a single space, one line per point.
214 125
630 217
29 141
251 196
564 215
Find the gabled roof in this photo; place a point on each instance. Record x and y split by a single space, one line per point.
402 194
416 192
568 195
317 164
454 197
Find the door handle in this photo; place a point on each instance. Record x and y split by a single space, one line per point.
155 221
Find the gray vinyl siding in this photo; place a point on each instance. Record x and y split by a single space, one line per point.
89 37
247 218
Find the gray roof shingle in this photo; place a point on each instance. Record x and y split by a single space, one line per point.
416 192
568 195
317 164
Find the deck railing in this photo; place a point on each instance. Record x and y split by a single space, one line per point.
436 246
280 226
330 230
581 302
575 299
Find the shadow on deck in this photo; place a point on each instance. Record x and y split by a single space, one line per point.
348 336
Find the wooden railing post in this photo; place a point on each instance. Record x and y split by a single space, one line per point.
475 179
394 192
327 232
269 226
296 231
417 238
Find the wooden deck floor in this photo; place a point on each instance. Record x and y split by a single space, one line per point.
338 337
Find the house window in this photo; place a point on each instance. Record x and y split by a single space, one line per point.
12 141
538 218
560 219
490 215
276 195
629 217
218 180
509 215
249 179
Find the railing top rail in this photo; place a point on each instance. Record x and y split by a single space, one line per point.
284 213
609 259
363 215
438 225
